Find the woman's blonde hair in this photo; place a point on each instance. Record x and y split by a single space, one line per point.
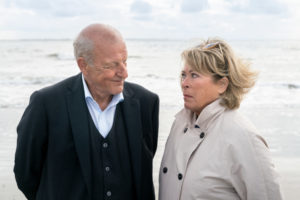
215 57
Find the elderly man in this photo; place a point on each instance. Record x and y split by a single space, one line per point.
91 136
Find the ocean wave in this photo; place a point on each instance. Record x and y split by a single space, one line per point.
135 57
60 56
291 48
13 105
282 85
292 86
153 76
26 80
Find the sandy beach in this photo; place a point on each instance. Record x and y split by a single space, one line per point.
288 168
273 104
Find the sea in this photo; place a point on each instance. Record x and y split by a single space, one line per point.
273 105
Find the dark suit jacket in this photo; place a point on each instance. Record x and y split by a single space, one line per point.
52 158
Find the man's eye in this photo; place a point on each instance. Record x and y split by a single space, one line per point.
107 67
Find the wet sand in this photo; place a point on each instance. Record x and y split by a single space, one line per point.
288 168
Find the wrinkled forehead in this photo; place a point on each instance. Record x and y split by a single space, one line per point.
102 43
115 52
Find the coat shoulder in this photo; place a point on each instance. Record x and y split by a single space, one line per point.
56 93
239 131
138 91
61 85
235 123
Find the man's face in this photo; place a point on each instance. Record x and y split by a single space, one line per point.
107 75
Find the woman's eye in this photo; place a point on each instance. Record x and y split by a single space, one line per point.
195 75
183 76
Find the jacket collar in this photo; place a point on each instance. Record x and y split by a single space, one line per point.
131 107
206 117
78 113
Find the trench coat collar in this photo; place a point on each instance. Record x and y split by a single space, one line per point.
189 143
206 117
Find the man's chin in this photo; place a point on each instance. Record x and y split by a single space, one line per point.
118 90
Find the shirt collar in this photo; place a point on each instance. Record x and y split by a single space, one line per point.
87 94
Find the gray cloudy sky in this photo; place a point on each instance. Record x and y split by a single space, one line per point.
165 19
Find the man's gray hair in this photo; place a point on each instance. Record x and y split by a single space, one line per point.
83 47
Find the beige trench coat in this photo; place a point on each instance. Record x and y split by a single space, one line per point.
219 156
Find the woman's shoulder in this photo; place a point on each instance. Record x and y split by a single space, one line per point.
239 130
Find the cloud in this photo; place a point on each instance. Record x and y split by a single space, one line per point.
266 7
191 6
29 4
141 10
57 8
141 7
171 19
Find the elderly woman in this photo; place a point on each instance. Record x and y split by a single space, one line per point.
212 152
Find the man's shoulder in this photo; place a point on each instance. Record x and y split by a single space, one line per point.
137 90
60 86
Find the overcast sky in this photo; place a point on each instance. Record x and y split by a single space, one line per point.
164 19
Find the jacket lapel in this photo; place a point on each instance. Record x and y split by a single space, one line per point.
131 114
79 122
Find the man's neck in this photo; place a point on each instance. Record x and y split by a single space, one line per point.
102 101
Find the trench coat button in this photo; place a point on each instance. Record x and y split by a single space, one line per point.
196 126
108 193
179 176
185 130
202 135
165 170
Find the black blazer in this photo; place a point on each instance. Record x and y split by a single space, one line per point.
52 158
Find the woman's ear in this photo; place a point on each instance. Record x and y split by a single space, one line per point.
223 84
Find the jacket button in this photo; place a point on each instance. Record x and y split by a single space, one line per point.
185 130
105 145
165 170
108 193
202 135
179 176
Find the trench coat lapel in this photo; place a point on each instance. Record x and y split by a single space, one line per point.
79 122
131 113
187 141
187 145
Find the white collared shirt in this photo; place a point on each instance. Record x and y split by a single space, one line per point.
103 120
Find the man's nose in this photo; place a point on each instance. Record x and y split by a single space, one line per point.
122 70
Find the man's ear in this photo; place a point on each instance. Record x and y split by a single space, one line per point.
223 84
82 65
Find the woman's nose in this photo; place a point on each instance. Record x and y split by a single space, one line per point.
185 83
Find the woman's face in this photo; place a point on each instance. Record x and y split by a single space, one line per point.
198 90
